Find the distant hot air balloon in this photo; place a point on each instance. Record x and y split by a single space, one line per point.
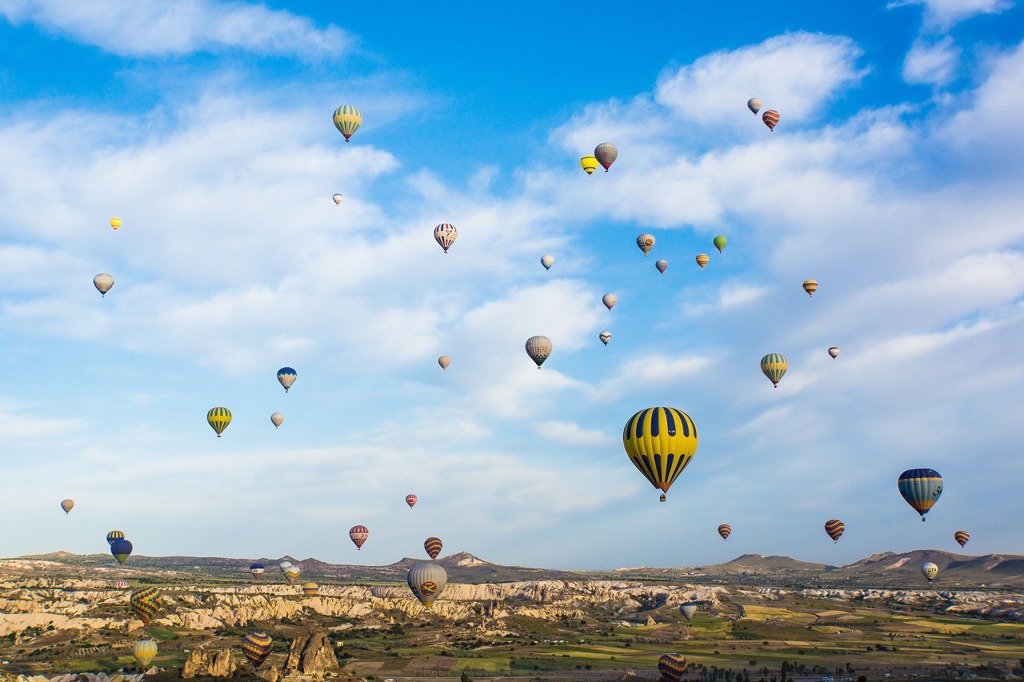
410 500
284 566
771 119
445 234
310 590
144 652
547 261
688 610
725 530
257 646
146 602
256 569
645 242
538 348
358 535
115 223
287 377
347 120
810 286
672 667
114 535
121 549
834 352
337 198
920 488
754 104
605 337
609 300
433 546
660 441
961 536
589 164
121 584
277 419
662 265
219 418
291 574
67 505
444 361
773 366
606 153
929 570
103 282
378 591
835 528
720 242
702 260
427 581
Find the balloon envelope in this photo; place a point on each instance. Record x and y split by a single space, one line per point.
114 535
219 418
67 505
810 286
920 488
929 570
702 260
662 265
121 549
538 348
645 242
103 282
411 500
961 536
121 584
347 120
115 223
725 530
427 580
547 261
433 546
660 441
146 603
358 535
688 610
720 243
337 198
609 300
445 234
310 590
770 118
287 377
834 352
257 569
589 164
444 361
754 104
257 646
144 652
606 153
835 529
773 366
277 419
605 337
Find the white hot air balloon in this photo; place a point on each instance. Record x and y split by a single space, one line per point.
103 282
427 580
538 348
605 337
337 198
547 261
754 104
609 300
277 418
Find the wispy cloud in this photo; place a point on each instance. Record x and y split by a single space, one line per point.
942 14
932 63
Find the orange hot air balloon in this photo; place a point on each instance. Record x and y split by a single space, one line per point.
725 530
433 546
702 260
770 118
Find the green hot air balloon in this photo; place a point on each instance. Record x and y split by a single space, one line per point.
121 549
720 242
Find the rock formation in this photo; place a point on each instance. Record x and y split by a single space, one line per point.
312 654
202 664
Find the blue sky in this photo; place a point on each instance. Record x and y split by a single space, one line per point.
893 179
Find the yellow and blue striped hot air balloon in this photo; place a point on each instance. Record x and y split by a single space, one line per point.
144 652
310 590
920 488
660 441
347 120
114 535
672 667
774 365
219 418
257 646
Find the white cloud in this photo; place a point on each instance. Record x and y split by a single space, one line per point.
145 28
942 14
932 63
571 433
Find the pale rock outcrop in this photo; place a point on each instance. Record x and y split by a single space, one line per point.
311 654
200 663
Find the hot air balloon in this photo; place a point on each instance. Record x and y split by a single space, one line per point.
538 348
834 352
774 365
589 164
672 666
645 242
427 581
810 286
219 418
720 242
433 546
609 300
115 223
662 265
287 377
660 441
277 419
256 646
835 528
702 260
378 591
688 610
144 652
410 500
725 530
962 536
114 535
146 602
771 119
337 198
929 570
121 584
444 361
256 569
103 282
606 153
920 488
605 337
358 535
347 120
67 505
547 261
754 104
121 549
291 574
310 590
445 234
285 565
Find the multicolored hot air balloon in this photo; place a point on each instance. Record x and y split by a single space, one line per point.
257 569
445 234
67 505
103 282
146 602
291 574
725 530
277 419
605 337
754 104
920 488
609 300
547 261
337 199
961 536
606 153
114 535
773 366
702 260
689 609
257 646
287 377
589 164
411 500
347 120
219 418
433 546
810 286
720 242
834 352
121 584
115 223
645 242
538 348
771 119
661 265
672 667
444 361
121 549
929 570
310 590
144 652
358 535
835 529
427 580
660 441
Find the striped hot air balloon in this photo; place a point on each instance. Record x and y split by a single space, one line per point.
287 376
702 260
445 235
725 530
121 549
770 118
411 500
920 488
810 286
257 646
310 590
589 164
672 666
115 223
257 569
144 652
433 546
774 365
347 120
121 584
961 536
219 418
660 441
146 602
835 529
114 535
358 535
427 580
67 505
